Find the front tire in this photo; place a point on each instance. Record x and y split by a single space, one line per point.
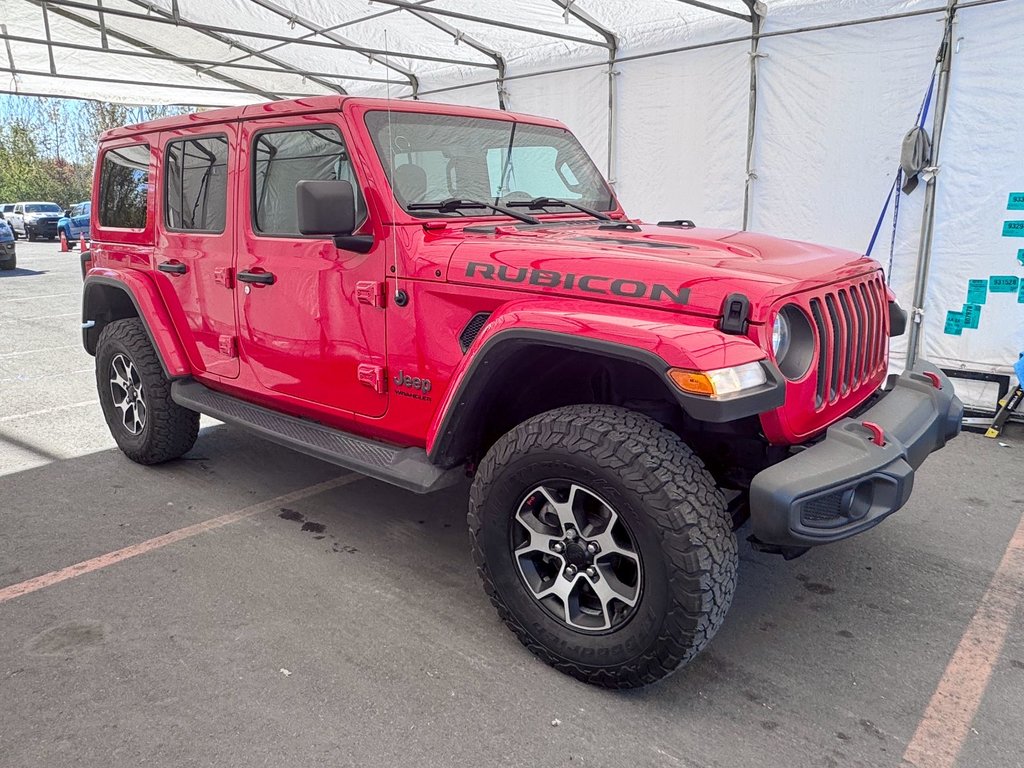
30 235
603 543
147 425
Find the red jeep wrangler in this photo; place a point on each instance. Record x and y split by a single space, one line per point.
417 291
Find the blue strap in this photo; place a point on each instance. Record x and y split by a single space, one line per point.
922 117
881 216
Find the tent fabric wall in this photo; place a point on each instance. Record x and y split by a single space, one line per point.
682 135
833 107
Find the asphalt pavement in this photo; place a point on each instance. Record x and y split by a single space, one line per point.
337 621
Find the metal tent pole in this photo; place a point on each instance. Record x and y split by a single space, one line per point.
757 13
924 255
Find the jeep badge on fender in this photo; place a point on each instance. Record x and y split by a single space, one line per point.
606 382
404 381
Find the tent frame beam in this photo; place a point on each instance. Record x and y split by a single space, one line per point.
724 11
284 66
49 40
612 43
164 17
122 81
924 254
305 23
492 22
459 36
756 20
191 63
141 44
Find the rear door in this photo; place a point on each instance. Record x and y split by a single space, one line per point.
317 331
195 244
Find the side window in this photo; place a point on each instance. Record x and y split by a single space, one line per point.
124 183
195 184
19 208
281 159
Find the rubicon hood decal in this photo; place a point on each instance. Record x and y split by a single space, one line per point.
599 284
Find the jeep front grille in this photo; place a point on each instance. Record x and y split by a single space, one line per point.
852 331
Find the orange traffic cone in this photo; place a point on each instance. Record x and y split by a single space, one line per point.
82 245
64 246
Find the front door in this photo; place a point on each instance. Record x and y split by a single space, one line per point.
314 330
195 245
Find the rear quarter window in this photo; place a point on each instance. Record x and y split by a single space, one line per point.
124 187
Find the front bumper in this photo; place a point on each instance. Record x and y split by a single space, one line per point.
7 250
847 483
42 228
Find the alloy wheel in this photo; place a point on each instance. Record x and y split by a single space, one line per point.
127 394
577 556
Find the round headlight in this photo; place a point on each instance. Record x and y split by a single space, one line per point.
792 342
780 336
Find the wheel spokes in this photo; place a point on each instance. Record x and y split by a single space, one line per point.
576 556
126 393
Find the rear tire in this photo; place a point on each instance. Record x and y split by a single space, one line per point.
148 426
625 467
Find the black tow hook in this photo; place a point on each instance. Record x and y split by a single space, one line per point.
788 553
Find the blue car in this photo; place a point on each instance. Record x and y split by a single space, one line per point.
7 257
75 223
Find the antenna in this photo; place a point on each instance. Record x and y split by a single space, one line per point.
401 297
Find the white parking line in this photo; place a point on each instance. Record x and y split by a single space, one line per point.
34 351
46 317
48 410
103 561
58 375
44 296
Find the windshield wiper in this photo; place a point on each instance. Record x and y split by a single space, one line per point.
553 202
455 204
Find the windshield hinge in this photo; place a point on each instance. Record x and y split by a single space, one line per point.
370 292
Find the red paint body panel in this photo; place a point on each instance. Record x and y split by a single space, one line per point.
311 344
202 305
149 302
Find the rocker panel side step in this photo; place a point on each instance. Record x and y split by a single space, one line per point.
407 468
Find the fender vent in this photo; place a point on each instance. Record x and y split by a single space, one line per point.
469 333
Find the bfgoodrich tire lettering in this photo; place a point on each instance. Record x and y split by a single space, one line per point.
165 430
674 511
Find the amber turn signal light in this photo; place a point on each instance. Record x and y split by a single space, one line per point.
694 382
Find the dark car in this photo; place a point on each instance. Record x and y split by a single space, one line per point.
7 257
35 220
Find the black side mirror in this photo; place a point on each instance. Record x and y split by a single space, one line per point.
67 213
329 208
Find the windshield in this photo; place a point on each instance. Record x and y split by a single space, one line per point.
431 158
42 208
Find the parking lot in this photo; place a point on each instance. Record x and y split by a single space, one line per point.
325 619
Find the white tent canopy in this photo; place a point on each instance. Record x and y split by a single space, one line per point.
785 117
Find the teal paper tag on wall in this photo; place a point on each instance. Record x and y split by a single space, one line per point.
1013 229
1003 283
955 323
977 291
972 315
1020 257
1016 202
1020 293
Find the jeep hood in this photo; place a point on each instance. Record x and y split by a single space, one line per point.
688 270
